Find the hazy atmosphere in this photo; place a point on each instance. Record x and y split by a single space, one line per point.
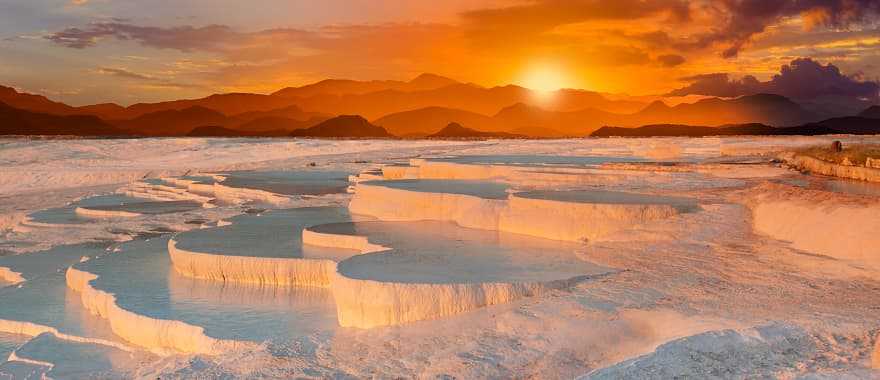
522 189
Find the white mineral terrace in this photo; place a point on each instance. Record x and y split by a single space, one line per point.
849 223
364 294
588 258
160 336
577 215
815 165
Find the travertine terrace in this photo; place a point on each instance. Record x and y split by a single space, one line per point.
616 259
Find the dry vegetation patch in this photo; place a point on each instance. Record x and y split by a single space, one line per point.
857 155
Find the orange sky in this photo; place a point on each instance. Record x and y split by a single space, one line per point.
110 50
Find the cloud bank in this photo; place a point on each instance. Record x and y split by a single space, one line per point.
803 78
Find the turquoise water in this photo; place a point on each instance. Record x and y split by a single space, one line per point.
47 301
141 277
66 214
71 360
290 182
482 189
36 264
529 160
9 342
441 252
276 233
608 197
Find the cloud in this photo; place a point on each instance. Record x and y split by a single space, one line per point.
803 78
123 73
545 14
670 60
743 19
145 81
183 38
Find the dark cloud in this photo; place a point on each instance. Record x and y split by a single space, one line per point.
549 13
743 19
670 60
213 38
530 20
718 84
804 78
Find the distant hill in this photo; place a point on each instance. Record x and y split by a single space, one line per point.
106 111
293 112
14 121
533 121
873 112
33 103
217 131
423 106
461 96
457 131
353 87
845 125
226 104
761 108
173 122
430 120
270 123
347 126
677 130
580 123
853 125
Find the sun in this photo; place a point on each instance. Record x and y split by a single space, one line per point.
545 78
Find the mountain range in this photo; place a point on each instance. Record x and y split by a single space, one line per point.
418 108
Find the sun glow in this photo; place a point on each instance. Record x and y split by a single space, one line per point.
545 78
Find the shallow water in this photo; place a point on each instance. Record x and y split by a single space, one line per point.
151 208
290 182
67 214
36 264
48 301
606 197
9 342
853 187
144 282
529 160
482 189
442 252
70 360
276 233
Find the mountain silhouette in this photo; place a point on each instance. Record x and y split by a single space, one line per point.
426 104
350 126
457 131
270 123
854 125
872 112
14 121
293 112
761 108
377 99
218 131
843 125
353 87
34 103
430 120
173 122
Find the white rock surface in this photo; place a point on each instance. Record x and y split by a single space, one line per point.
160 336
831 224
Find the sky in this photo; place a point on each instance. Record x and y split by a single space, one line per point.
93 51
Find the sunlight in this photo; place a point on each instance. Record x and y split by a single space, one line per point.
545 78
